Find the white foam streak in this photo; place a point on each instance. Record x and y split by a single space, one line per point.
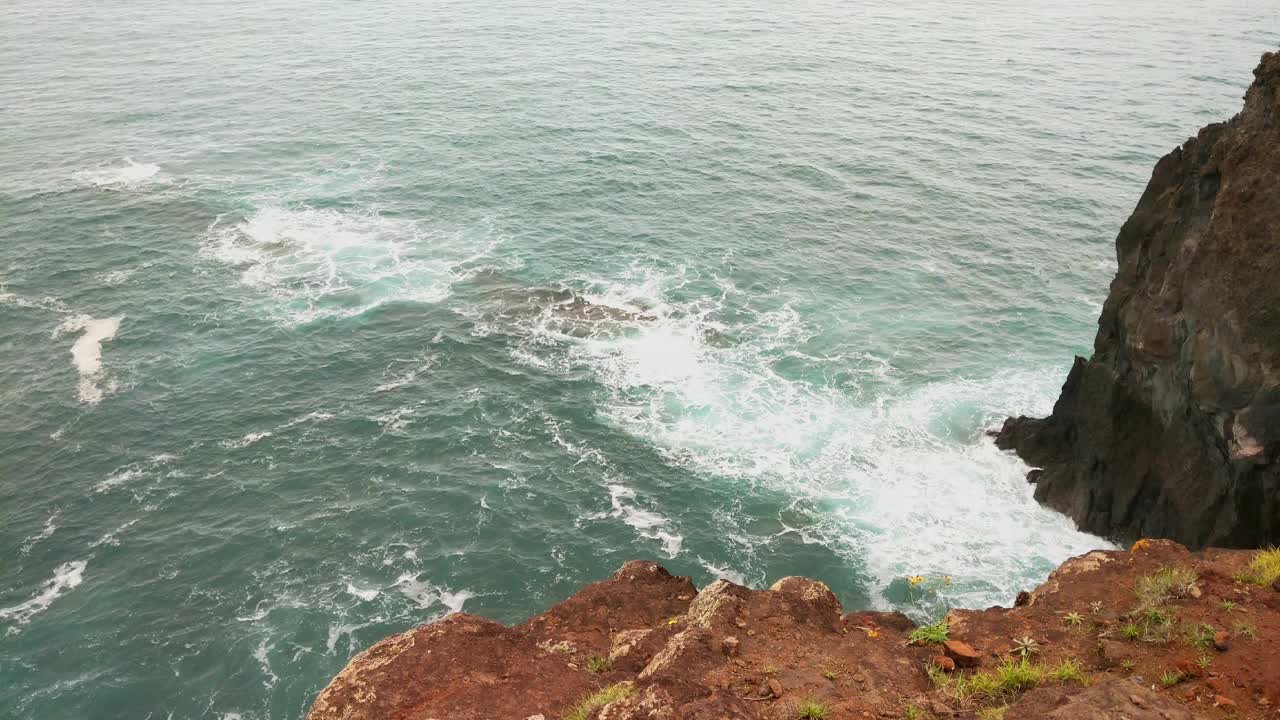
426 595
127 176
647 523
66 577
362 594
86 351
50 526
323 262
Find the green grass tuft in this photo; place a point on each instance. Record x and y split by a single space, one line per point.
598 664
915 712
1069 671
1246 630
1263 569
1170 678
1160 587
811 710
1132 631
599 699
1201 636
935 633
1073 618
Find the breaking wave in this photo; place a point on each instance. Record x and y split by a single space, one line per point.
322 262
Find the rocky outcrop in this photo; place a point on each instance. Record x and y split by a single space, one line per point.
644 645
1172 428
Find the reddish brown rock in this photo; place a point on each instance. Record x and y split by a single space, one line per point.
1222 640
1216 684
962 652
943 663
729 646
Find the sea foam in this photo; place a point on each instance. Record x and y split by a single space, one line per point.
86 351
128 175
895 479
321 262
66 577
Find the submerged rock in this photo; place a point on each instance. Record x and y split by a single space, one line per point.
1172 428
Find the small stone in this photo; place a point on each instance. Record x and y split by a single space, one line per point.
1194 591
1189 694
1023 599
1222 640
729 646
775 687
1223 701
751 633
1216 684
1114 652
1275 584
740 623
537 717
943 663
962 652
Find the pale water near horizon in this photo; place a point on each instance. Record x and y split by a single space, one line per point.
321 320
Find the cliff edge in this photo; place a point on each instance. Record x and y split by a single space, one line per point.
1152 633
1172 428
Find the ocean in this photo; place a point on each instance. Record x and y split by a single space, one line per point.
319 320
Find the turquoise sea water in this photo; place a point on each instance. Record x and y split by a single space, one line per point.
320 320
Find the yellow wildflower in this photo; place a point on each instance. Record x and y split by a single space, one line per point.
873 633
673 621
915 579
947 579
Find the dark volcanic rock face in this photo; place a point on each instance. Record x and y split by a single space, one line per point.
1172 428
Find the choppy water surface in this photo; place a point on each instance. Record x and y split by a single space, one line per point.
320 320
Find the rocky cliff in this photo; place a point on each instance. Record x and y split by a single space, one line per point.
1172 428
1155 632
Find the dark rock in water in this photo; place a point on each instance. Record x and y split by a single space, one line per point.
1172 428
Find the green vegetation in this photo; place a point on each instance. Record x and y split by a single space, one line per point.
993 713
1204 661
1164 585
1132 631
1073 618
1069 671
1127 665
1263 569
1025 646
770 669
1153 591
1201 636
1007 680
1095 607
1228 605
915 712
935 633
830 675
599 699
598 664
810 710
1170 678
1246 630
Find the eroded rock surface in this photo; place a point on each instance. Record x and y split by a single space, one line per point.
733 652
1172 428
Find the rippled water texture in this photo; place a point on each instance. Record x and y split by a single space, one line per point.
319 320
